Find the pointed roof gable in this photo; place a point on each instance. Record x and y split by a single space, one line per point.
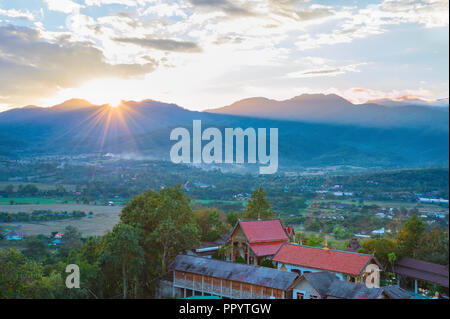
260 231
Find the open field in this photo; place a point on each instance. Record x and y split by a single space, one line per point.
32 200
388 204
44 200
103 219
211 201
42 186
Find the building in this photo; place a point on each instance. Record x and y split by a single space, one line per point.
419 270
353 245
14 235
433 200
350 266
326 285
256 240
207 249
199 276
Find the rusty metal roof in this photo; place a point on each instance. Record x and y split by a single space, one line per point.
255 275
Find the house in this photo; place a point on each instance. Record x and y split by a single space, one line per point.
256 240
350 266
13 235
55 242
326 285
207 249
194 276
291 233
353 245
419 270
433 200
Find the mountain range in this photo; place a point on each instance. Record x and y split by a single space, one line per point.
314 130
332 108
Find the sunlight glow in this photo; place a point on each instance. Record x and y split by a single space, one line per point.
115 103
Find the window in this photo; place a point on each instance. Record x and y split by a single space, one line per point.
300 295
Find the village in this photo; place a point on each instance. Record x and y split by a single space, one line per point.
290 271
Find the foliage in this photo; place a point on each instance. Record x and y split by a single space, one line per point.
382 248
258 206
266 263
211 223
168 228
240 260
409 236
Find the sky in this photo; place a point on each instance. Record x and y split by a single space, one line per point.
203 54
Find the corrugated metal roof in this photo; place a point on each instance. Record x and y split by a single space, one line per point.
423 266
423 270
256 275
329 285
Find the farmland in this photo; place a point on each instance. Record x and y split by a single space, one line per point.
102 220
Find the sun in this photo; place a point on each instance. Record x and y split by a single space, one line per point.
115 102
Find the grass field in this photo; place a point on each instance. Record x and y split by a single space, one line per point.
42 186
210 201
103 219
33 200
393 204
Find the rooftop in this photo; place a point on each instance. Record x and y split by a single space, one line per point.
255 275
326 259
264 230
423 270
329 285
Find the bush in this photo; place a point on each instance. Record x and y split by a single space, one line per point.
267 263
240 260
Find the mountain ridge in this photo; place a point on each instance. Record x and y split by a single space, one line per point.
144 127
332 108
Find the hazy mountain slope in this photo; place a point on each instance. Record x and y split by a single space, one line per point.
332 108
144 128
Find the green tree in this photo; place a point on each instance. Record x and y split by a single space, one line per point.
381 247
210 223
17 272
409 236
258 206
8 190
123 250
232 218
36 248
434 246
71 240
168 229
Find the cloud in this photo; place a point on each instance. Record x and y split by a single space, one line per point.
226 6
162 44
17 14
64 6
293 10
324 67
33 67
99 3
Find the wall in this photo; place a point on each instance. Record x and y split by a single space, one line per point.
287 267
304 287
